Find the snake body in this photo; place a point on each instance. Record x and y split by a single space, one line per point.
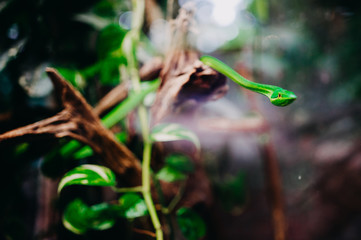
277 95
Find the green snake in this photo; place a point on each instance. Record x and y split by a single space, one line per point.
277 95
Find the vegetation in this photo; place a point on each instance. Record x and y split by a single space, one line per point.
126 146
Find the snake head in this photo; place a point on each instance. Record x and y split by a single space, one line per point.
281 97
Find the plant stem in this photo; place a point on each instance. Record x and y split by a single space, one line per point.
130 51
162 202
146 190
177 198
128 189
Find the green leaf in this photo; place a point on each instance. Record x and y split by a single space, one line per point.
110 40
84 152
109 70
74 218
180 162
103 216
169 174
78 217
88 174
176 168
132 206
172 132
191 224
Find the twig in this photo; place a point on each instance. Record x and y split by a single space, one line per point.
128 189
177 198
145 232
116 95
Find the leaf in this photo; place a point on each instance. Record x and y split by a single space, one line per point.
88 174
191 224
78 217
175 169
110 40
103 216
172 132
74 218
180 162
109 70
132 206
169 174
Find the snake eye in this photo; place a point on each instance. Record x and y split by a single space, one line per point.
279 95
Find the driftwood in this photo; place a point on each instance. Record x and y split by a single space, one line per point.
186 81
78 121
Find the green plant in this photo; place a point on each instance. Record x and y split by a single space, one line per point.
117 49
78 217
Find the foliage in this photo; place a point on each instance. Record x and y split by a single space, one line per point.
176 168
191 224
79 218
132 206
90 175
173 132
60 37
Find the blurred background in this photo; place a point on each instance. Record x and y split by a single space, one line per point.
309 152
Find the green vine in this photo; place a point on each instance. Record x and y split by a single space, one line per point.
132 68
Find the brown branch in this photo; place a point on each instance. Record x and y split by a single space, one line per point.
115 96
151 69
77 120
186 82
145 232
